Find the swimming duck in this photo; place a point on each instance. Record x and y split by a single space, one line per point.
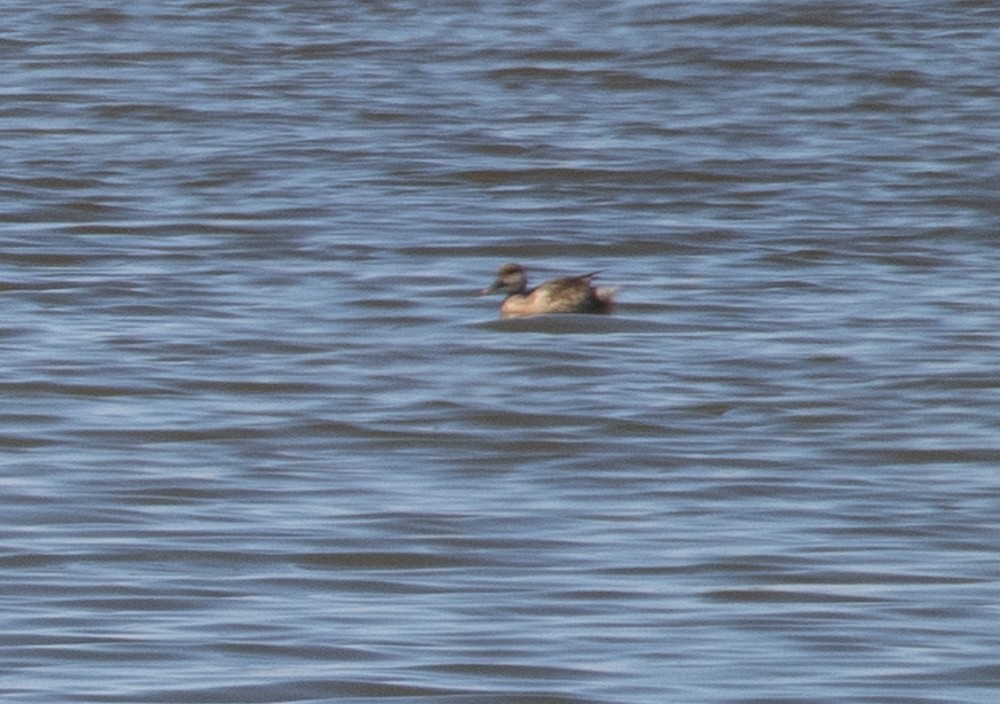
572 294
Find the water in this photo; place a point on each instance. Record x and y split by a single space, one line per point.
263 443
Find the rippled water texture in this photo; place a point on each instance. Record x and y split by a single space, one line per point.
262 441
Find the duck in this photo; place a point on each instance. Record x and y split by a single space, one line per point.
571 294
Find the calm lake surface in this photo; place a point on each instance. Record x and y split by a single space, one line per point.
262 441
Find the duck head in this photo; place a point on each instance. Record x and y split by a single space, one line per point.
510 279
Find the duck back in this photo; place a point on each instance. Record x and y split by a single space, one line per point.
572 294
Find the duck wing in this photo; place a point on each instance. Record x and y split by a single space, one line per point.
572 294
